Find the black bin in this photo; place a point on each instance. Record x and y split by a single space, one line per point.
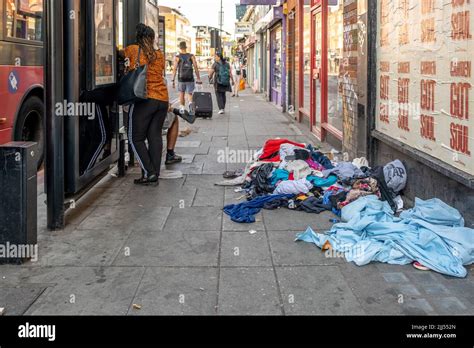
18 202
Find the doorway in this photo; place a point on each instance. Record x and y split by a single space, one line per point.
327 33
276 65
317 73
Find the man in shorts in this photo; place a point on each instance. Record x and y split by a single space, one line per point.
185 66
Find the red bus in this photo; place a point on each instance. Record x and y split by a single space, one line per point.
21 72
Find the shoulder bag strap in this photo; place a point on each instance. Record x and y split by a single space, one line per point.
137 65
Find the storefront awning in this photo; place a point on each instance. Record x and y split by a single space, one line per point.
249 42
273 16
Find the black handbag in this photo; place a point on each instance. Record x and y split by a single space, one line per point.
132 86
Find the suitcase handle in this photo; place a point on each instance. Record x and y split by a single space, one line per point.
199 87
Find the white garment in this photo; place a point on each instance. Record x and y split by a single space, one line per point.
286 150
300 169
293 187
361 162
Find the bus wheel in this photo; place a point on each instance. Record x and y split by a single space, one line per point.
29 125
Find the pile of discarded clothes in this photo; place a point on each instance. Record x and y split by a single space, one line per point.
286 174
295 176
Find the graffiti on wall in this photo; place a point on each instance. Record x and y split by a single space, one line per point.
424 93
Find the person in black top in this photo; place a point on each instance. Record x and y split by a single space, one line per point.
221 77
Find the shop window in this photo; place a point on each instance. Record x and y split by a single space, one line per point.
104 41
24 19
335 56
307 56
425 78
277 63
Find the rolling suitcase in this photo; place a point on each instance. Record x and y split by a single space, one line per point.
203 104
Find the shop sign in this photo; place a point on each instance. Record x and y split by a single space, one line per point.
243 28
425 94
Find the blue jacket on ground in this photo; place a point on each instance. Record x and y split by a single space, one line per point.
245 212
432 233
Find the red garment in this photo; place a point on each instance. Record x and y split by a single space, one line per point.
271 149
291 177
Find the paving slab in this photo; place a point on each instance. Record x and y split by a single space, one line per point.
17 299
287 252
126 218
195 219
177 291
80 248
162 196
81 290
171 248
248 291
209 197
245 250
320 290
203 181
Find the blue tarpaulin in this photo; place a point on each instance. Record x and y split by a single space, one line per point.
431 233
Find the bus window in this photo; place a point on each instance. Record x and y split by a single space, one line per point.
24 19
152 17
105 43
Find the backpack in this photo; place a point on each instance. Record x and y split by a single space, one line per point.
185 68
223 74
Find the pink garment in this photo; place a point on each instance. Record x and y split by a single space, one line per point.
315 165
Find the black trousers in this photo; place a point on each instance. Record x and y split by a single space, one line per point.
146 119
221 99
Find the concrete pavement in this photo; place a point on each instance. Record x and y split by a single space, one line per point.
171 250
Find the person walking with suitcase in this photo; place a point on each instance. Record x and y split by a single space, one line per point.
146 117
185 65
221 75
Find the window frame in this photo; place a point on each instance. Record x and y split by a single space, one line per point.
8 38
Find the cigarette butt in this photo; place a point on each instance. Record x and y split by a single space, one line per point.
135 306
2 310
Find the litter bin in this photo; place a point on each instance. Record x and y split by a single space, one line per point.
18 203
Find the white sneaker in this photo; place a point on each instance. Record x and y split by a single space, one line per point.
221 112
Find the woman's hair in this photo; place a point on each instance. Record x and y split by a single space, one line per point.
146 40
221 57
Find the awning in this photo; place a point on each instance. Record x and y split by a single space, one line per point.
273 16
249 42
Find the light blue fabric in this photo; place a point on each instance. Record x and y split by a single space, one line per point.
432 233
279 175
322 182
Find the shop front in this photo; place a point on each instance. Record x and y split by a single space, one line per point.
326 57
291 43
424 78
320 27
272 79
250 62
276 65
